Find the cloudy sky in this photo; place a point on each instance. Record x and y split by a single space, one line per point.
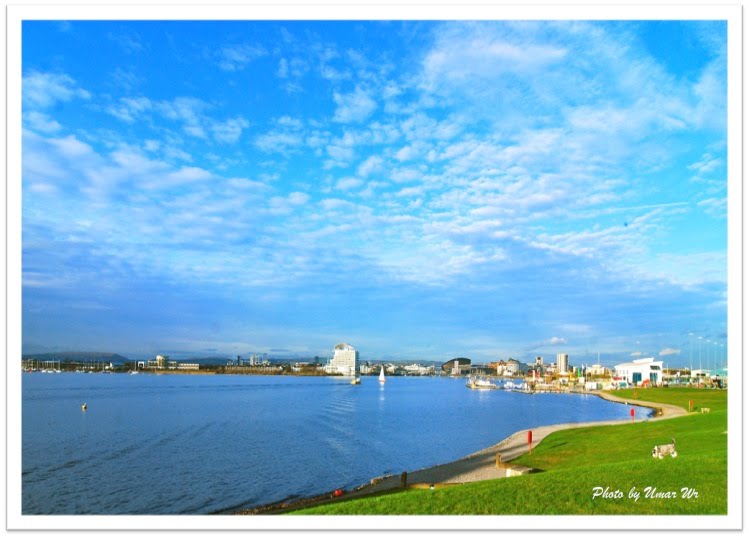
421 190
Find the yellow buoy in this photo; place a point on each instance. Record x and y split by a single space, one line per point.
84 406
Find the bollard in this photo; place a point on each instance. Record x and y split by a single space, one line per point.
499 459
691 405
404 479
530 441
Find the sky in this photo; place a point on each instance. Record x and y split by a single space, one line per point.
419 189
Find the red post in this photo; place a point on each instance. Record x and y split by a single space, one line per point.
632 414
691 405
530 441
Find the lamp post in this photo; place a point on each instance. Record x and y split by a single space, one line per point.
707 351
715 355
700 339
690 354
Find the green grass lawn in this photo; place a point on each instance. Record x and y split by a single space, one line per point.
714 399
574 462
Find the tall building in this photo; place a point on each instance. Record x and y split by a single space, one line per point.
563 363
345 360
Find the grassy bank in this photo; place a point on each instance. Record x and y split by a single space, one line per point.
575 462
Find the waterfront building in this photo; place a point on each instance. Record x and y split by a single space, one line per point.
700 376
188 366
345 360
161 362
418 369
596 370
563 363
641 371
457 366
540 361
514 368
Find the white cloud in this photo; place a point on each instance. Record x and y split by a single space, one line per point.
151 145
71 147
230 130
669 351
407 153
348 183
284 205
710 91
41 122
130 109
237 57
130 42
279 142
283 68
371 165
189 111
353 107
45 89
706 164
298 198
462 56
715 207
341 153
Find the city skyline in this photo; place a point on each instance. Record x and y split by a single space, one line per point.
423 190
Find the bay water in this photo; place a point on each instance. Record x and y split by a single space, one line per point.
206 444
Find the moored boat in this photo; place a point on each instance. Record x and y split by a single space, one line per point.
481 384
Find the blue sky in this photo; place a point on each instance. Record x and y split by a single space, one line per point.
421 190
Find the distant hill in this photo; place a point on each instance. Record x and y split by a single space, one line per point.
76 356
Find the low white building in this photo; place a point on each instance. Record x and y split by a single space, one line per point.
345 361
700 376
596 370
418 369
641 370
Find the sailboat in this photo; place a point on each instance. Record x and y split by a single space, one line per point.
382 374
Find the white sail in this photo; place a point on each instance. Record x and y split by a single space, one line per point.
382 374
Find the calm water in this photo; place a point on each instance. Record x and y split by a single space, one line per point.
178 444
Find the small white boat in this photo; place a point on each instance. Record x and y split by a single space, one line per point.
481 384
382 374
356 381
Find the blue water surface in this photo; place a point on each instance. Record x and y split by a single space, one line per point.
200 444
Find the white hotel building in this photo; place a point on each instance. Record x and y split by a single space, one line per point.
345 361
